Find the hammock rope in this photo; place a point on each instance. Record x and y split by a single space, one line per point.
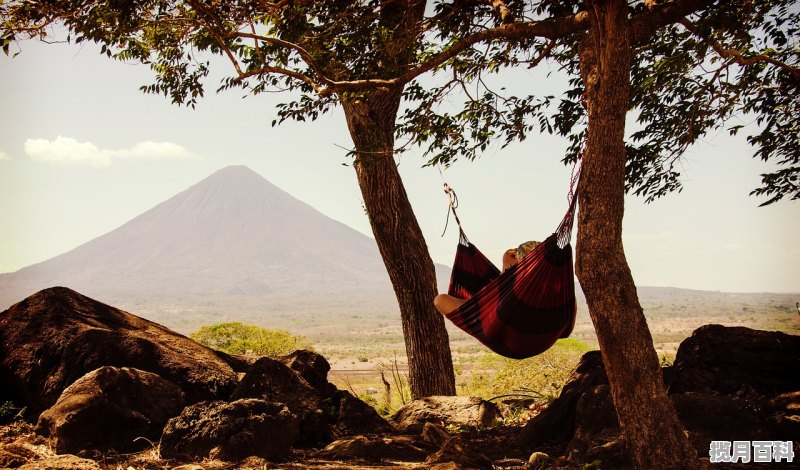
524 310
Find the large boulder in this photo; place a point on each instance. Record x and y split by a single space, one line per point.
378 448
231 431
456 411
300 381
347 415
737 361
555 426
709 418
313 368
459 455
56 336
351 416
110 408
727 383
271 380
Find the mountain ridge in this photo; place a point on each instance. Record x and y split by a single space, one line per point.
233 233
236 246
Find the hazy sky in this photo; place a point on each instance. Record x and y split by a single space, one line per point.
82 151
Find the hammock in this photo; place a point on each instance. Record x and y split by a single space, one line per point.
524 310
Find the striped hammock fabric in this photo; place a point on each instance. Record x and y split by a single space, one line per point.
523 311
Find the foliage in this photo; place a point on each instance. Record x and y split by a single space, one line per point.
10 412
716 67
316 48
239 338
542 376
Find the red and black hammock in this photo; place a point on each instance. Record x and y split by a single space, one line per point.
524 310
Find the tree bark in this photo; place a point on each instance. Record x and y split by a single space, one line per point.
654 436
371 121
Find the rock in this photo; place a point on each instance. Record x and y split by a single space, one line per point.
435 435
15 455
313 368
455 451
56 336
377 448
783 413
271 380
710 417
325 413
456 411
787 403
538 459
595 423
737 361
239 363
62 462
445 466
352 416
556 424
231 431
109 408
720 375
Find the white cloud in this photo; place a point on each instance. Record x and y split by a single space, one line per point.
4 156
68 151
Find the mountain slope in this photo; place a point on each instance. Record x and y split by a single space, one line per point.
231 239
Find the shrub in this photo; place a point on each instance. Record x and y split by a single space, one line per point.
240 338
542 376
9 412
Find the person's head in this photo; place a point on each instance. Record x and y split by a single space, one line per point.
526 248
513 255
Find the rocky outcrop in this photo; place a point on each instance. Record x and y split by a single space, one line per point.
710 417
271 380
556 424
727 383
54 337
62 462
459 455
737 361
231 431
378 448
456 411
111 408
352 416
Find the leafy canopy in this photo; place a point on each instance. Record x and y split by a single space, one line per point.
700 66
714 66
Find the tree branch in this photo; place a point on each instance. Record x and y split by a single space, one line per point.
503 13
738 57
644 25
304 54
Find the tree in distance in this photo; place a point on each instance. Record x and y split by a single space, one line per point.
251 340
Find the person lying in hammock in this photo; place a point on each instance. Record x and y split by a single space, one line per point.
447 303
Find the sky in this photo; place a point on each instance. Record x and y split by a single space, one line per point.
82 151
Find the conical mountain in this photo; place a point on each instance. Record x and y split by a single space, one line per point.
231 242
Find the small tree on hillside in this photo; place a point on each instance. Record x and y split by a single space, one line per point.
240 338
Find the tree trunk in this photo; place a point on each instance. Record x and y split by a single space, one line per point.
371 121
654 436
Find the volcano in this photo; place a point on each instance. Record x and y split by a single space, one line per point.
231 243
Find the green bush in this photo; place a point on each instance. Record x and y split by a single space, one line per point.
542 376
240 338
10 412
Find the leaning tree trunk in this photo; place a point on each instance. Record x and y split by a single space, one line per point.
371 120
653 434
